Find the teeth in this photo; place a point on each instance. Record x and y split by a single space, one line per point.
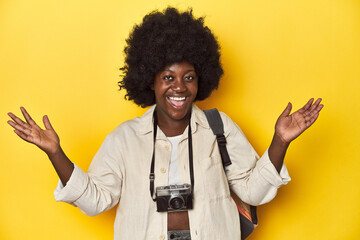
177 98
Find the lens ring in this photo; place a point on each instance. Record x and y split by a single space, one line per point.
176 202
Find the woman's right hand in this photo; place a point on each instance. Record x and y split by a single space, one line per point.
46 139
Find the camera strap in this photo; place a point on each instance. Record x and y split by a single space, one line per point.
152 174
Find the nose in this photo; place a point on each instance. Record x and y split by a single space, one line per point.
178 85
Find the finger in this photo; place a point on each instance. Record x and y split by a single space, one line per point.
22 135
307 105
318 100
316 104
27 116
312 116
16 119
19 127
318 109
287 110
312 119
47 123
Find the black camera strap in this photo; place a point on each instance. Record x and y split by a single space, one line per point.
152 175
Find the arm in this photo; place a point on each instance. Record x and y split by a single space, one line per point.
46 139
288 127
93 192
256 180
252 178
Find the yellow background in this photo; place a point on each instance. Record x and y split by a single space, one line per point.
61 58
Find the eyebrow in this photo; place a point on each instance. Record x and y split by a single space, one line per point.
187 71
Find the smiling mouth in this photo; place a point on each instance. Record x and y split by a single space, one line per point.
177 102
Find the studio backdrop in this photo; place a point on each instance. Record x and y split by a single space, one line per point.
62 58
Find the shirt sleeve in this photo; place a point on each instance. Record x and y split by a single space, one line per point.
269 172
99 189
255 180
74 188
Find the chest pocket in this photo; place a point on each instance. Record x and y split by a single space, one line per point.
214 178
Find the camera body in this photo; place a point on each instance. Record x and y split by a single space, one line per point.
174 198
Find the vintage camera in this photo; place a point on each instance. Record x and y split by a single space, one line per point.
174 198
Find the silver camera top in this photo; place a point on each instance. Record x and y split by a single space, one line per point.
173 189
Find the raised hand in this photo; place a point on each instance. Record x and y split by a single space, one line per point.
290 126
46 139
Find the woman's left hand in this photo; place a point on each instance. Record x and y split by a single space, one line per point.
290 126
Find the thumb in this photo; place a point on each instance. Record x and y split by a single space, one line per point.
287 110
47 123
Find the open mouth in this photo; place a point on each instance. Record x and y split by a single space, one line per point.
177 102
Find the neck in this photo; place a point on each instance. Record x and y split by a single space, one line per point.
173 128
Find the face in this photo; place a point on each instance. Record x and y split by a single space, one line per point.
175 90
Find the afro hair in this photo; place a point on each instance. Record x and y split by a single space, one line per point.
165 38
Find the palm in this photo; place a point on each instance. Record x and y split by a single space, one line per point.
43 138
46 139
288 127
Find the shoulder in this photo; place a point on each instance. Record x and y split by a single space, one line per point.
230 127
226 119
136 126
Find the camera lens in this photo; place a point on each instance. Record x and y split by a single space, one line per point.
177 203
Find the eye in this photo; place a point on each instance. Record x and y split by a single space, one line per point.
189 78
168 77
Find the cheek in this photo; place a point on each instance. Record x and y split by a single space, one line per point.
194 88
159 90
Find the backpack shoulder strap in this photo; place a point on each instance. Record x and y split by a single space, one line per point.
217 127
247 223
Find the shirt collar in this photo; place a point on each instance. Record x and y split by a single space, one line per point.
198 118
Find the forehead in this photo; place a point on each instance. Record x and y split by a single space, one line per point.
179 67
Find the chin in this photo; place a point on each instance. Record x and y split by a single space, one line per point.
179 116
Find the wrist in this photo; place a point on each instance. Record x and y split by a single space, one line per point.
277 151
279 142
55 151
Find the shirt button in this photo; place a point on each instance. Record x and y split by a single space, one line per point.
162 237
162 170
166 147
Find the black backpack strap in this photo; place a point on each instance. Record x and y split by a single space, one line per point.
217 127
253 215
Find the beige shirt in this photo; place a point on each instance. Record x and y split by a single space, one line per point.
119 175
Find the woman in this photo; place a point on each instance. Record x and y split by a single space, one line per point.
172 60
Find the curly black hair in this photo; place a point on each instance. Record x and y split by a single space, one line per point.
165 38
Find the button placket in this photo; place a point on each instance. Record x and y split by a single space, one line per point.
166 147
162 161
